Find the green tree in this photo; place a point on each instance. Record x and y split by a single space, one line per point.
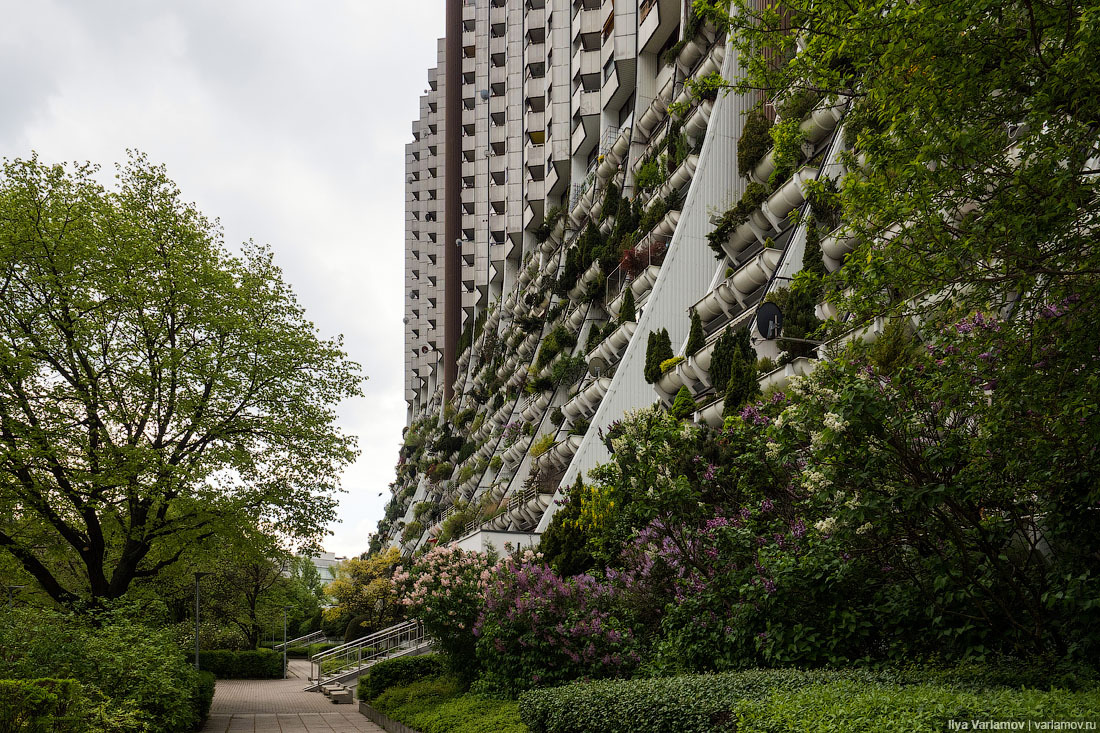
742 385
976 139
658 349
155 390
626 310
364 592
683 405
696 338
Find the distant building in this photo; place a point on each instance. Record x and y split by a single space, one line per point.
325 563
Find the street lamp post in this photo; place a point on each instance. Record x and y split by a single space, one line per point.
284 640
197 576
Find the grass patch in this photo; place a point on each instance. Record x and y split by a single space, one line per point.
438 705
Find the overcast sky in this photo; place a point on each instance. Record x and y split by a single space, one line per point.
286 120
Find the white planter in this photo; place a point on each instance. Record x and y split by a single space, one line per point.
778 378
644 282
690 53
788 197
755 273
717 302
611 348
825 310
670 383
696 122
576 318
712 414
762 171
823 120
667 225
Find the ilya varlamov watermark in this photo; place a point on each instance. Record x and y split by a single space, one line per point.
1021 725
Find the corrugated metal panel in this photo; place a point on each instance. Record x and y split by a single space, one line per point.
686 275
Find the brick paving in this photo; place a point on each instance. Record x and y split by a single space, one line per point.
280 706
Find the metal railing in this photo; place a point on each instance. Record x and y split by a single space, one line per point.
354 657
311 638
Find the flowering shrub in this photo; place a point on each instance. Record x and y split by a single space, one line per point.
537 629
443 589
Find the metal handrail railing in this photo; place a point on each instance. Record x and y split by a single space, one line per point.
361 653
310 638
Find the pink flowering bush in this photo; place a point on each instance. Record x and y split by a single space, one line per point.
443 589
537 629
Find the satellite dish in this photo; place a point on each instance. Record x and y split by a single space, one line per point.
769 321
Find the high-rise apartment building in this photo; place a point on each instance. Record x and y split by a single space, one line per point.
589 178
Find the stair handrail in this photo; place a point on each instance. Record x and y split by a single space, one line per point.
411 632
310 638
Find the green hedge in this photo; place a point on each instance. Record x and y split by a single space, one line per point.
400 671
856 706
306 652
41 706
791 700
257 665
438 705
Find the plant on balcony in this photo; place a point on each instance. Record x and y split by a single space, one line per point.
496 463
755 140
440 471
595 336
539 384
568 370
542 444
797 305
546 228
466 473
696 338
670 54
579 427
669 364
412 531
684 404
658 349
765 365
651 174
742 385
754 195
556 416
731 344
626 310
651 217
611 201
555 342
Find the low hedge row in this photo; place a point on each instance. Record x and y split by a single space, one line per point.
438 705
306 652
258 664
785 700
44 705
400 671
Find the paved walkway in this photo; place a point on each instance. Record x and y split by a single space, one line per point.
280 706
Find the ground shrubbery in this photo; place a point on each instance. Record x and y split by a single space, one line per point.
132 677
255 665
789 700
398 672
438 705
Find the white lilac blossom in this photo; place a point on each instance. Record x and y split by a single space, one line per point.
826 525
834 422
